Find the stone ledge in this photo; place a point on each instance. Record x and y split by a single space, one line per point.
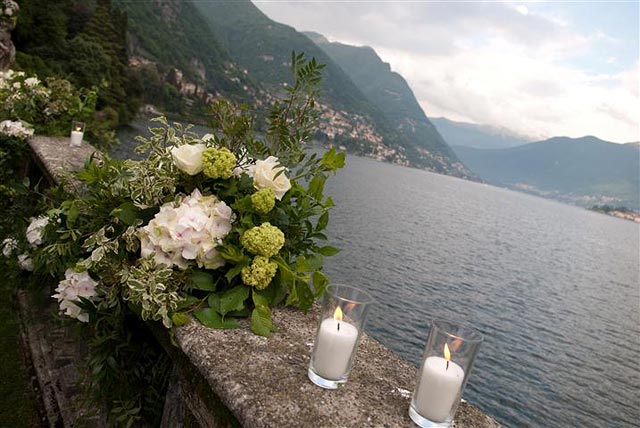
56 157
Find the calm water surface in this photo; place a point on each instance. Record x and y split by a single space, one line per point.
553 288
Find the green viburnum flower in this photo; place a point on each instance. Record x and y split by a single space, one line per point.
263 200
264 240
218 163
260 273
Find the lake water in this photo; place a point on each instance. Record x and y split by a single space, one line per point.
553 288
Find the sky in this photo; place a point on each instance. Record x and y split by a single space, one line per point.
539 69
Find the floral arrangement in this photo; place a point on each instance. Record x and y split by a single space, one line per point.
217 227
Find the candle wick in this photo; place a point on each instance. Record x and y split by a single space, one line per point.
338 326
447 365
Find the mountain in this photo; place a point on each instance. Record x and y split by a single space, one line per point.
178 59
585 171
391 93
350 117
478 136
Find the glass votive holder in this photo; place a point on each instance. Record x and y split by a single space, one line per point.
446 364
77 133
343 315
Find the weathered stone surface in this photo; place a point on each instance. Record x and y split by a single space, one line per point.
57 158
264 381
57 356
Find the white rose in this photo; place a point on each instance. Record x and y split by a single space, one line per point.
35 229
188 157
264 176
25 262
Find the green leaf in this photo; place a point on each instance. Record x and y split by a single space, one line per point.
233 300
234 271
72 213
187 302
212 319
332 161
323 221
214 301
202 281
328 251
231 253
261 323
127 212
243 205
180 318
304 294
320 282
316 186
260 298
328 203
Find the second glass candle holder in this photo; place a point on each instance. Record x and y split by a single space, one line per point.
342 319
446 364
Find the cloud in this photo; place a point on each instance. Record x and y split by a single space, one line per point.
486 62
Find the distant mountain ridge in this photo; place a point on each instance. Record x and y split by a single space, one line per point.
585 171
478 136
390 92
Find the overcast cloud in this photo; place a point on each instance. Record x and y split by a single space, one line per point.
539 69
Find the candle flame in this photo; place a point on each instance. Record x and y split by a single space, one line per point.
447 353
337 315
78 128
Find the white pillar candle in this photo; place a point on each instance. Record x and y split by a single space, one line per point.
76 138
440 385
335 343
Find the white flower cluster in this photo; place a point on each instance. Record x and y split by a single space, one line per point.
7 78
188 158
15 129
16 90
70 289
192 231
10 246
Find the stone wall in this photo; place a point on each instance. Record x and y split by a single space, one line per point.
233 378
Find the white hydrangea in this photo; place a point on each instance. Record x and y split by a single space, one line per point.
35 230
192 231
70 289
9 245
12 128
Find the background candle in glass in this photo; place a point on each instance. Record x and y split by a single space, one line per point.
77 133
446 364
342 319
